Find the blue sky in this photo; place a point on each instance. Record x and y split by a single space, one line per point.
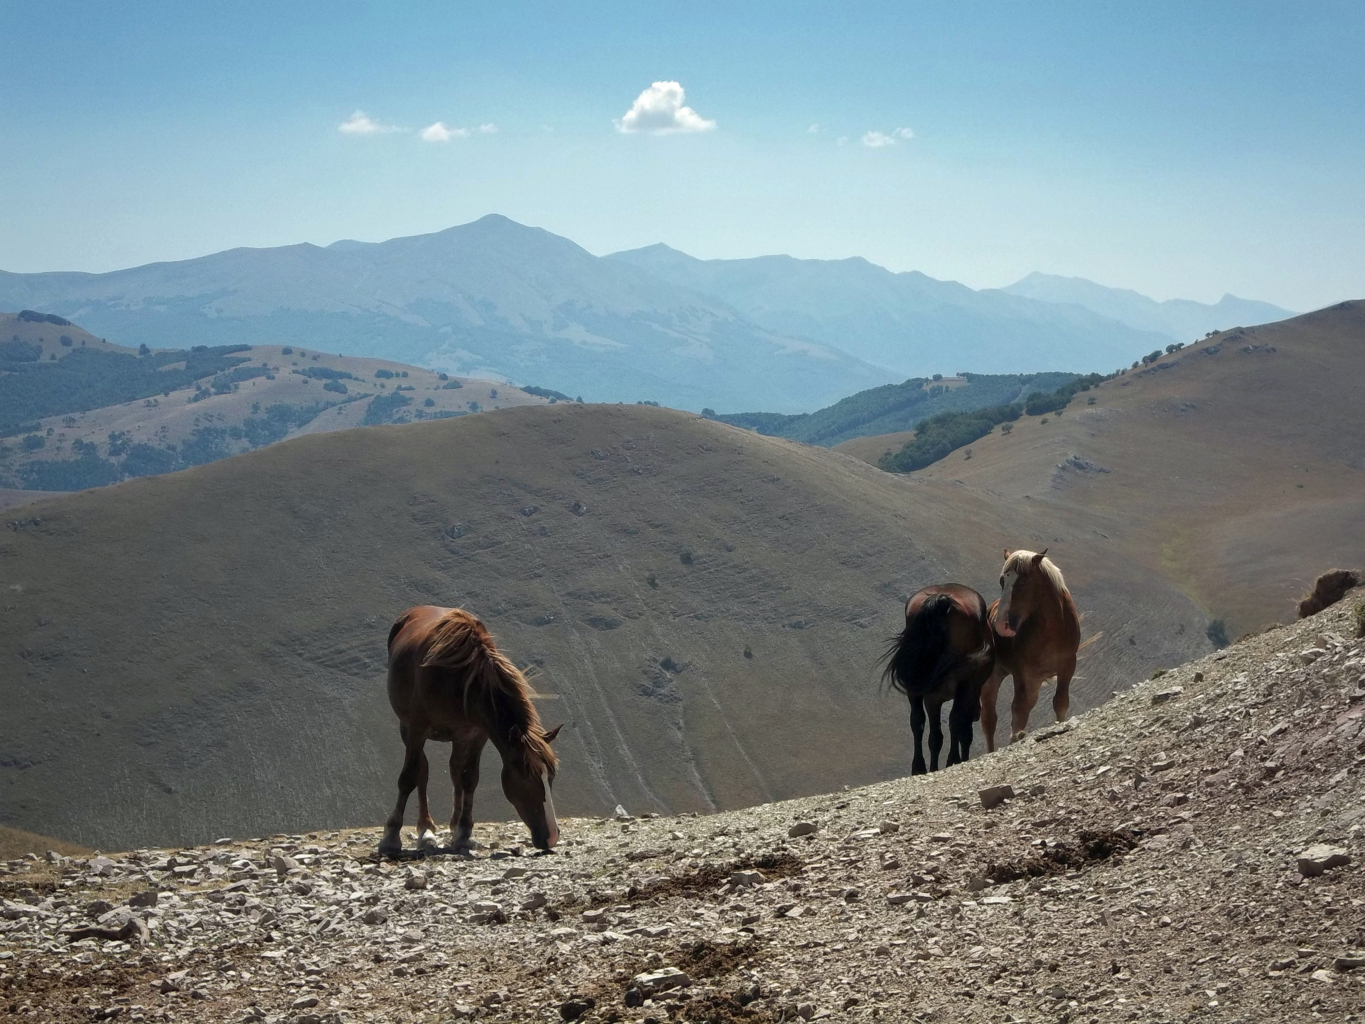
1179 149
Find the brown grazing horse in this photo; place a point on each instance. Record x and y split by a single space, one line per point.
944 653
1037 635
449 682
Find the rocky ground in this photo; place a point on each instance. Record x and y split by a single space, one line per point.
1188 851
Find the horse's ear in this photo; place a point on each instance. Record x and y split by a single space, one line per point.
1038 558
550 736
1007 554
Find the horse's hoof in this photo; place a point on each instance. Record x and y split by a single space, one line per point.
1017 737
391 849
427 840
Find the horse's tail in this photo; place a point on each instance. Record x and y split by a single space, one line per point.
397 627
914 656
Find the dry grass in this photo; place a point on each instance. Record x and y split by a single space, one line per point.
16 843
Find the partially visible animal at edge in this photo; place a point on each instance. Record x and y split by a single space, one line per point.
944 653
449 682
1037 635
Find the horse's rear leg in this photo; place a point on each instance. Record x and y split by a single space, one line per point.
917 716
1061 700
426 827
990 690
935 735
960 728
464 775
392 843
1025 697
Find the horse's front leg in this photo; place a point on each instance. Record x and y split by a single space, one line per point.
935 735
917 716
990 690
392 843
464 775
1025 697
1061 700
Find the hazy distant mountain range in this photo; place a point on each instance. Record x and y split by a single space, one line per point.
1182 319
498 298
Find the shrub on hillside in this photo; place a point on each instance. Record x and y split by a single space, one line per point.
334 385
941 434
1217 632
17 351
29 316
383 407
32 442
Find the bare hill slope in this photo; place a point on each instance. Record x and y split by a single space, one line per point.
201 653
1235 467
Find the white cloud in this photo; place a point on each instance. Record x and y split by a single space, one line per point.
880 140
814 129
360 123
659 109
488 129
442 132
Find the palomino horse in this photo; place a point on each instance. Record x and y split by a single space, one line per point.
944 653
449 682
1037 634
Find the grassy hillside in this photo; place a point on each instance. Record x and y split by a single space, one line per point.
704 605
897 407
1236 466
88 414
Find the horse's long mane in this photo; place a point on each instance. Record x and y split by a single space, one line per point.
1022 562
461 642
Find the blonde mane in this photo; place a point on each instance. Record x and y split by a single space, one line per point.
461 642
1021 562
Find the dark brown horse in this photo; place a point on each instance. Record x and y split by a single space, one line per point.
1038 633
944 653
449 682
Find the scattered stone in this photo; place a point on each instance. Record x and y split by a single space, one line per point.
304 1003
802 828
994 796
744 879
1168 694
375 915
1320 857
416 881
661 980
572 1009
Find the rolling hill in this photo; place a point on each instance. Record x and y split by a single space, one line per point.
893 407
1235 467
705 607
88 413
